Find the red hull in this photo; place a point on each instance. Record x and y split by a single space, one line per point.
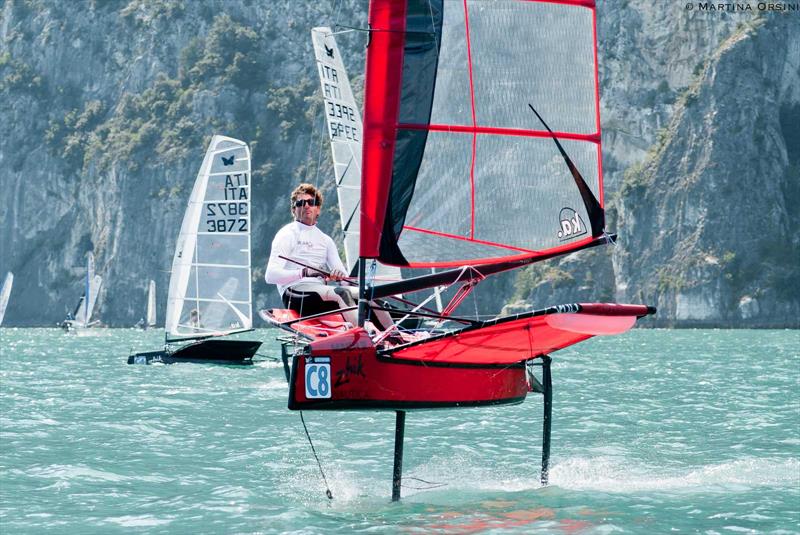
345 372
483 364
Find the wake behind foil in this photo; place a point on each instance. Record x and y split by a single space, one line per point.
481 153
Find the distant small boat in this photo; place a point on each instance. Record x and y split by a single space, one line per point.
209 287
5 293
149 319
81 317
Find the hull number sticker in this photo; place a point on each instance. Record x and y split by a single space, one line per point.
318 378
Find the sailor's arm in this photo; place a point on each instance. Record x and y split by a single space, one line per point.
278 272
335 265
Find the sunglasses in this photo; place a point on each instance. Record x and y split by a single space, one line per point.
301 202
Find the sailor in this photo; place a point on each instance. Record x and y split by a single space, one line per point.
322 285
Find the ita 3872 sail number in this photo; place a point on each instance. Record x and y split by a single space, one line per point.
318 378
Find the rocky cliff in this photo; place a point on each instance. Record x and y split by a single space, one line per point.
107 107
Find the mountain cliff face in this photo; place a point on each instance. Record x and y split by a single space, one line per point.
712 210
107 107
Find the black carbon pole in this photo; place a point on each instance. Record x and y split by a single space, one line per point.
397 472
547 385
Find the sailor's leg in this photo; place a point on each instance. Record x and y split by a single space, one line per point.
384 320
332 296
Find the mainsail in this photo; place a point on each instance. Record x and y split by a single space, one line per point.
209 288
92 284
461 97
150 316
5 293
345 133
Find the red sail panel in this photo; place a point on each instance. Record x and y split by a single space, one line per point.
475 177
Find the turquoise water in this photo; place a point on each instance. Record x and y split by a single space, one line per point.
654 431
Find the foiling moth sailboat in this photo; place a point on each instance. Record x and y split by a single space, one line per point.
481 155
5 293
81 318
209 287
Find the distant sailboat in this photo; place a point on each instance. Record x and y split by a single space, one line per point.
5 293
209 288
149 319
81 317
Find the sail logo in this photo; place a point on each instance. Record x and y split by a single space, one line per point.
570 224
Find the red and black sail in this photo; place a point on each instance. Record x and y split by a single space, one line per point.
482 132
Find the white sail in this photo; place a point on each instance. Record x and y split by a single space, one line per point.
150 316
5 293
209 287
92 284
344 131
94 291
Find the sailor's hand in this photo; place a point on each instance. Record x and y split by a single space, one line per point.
308 272
337 275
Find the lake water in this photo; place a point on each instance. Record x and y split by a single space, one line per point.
654 431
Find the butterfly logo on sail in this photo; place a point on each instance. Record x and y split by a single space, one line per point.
570 224
328 51
227 161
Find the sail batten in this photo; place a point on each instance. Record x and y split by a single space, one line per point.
594 138
457 170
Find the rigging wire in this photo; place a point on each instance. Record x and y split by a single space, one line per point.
328 492
475 302
337 11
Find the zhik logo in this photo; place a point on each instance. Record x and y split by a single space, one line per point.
571 224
